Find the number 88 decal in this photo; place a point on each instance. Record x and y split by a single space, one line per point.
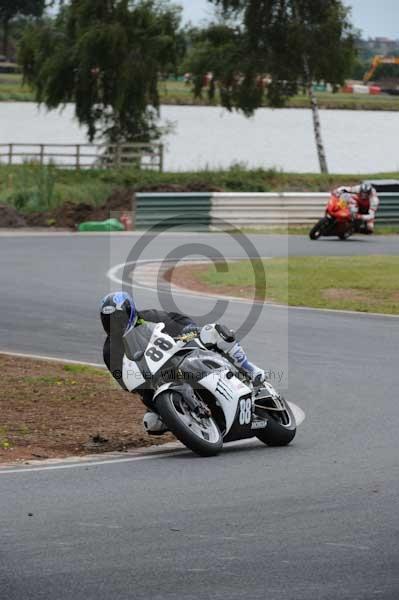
245 411
154 353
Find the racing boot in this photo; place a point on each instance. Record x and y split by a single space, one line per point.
239 358
153 424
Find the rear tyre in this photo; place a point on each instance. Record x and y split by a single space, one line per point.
318 229
199 434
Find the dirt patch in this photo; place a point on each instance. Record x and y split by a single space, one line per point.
188 276
53 410
71 214
351 294
9 217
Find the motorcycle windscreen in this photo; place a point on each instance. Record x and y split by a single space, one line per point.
137 339
155 346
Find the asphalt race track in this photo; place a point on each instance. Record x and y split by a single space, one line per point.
317 520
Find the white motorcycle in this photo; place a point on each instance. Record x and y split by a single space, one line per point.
200 396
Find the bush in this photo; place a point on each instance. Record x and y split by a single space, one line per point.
32 189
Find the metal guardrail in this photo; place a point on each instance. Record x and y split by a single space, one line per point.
268 209
228 210
85 156
388 212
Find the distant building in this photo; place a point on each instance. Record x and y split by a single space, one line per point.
379 45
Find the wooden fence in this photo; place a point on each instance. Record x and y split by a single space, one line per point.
85 156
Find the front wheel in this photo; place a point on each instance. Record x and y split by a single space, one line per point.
281 425
198 433
276 434
318 229
345 235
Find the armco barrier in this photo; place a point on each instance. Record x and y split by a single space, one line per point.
268 209
191 211
221 210
388 212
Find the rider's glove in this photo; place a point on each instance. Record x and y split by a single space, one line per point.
192 328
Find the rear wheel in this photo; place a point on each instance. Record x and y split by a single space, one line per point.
198 433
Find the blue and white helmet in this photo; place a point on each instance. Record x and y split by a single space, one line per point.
118 313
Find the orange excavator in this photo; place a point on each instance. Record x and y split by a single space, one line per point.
376 62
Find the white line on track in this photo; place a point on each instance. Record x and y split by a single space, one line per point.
67 361
55 234
112 274
88 463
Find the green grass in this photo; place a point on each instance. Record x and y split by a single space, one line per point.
13 90
79 369
31 187
361 283
178 93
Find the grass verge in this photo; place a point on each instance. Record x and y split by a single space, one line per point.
55 410
361 283
31 187
178 93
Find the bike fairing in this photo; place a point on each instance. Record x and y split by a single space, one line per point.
192 390
349 210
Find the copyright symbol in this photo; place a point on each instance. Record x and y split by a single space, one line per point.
117 374
215 313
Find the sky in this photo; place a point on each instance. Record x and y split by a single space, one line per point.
374 17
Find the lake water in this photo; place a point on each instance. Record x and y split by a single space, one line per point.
355 141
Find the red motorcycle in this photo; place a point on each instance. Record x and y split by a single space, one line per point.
337 221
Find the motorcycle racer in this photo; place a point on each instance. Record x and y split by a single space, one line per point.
363 203
119 313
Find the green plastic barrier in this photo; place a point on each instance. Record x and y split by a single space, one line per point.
190 211
108 225
319 87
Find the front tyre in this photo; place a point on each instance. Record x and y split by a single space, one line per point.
281 427
345 235
318 229
198 433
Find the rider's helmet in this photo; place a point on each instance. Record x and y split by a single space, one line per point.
118 313
365 190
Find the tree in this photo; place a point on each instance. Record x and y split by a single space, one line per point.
106 57
10 9
288 43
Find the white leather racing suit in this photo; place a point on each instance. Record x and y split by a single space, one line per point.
362 210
